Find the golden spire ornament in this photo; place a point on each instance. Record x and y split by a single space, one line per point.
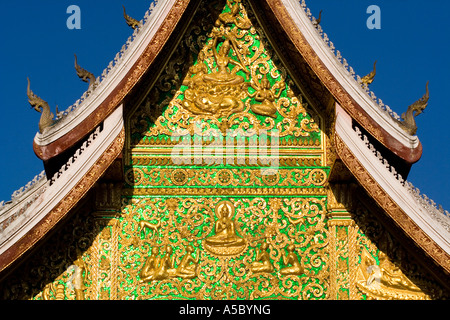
133 23
85 75
42 107
409 123
368 79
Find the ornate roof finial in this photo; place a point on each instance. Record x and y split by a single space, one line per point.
85 75
133 23
368 79
409 123
40 106
318 20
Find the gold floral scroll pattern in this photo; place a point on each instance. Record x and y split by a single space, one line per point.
286 234
163 177
93 275
104 260
322 72
274 191
342 257
232 80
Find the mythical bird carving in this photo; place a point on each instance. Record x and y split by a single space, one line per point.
42 107
409 123
133 23
368 79
85 75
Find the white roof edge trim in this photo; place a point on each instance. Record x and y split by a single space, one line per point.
62 185
144 34
22 195
396 190
325 54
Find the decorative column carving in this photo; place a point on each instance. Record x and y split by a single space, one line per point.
105 247
342 235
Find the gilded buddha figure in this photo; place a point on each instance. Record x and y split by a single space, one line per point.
225 241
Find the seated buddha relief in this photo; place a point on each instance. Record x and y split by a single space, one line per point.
225 241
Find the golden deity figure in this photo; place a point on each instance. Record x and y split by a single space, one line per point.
233 17
223 76
187 268
166 268
217 93
262 261
291 259
150 266
391 276
266 95
386 280
225 241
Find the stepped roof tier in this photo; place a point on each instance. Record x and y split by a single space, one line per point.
366 141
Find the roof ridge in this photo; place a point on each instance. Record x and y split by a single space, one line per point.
19 193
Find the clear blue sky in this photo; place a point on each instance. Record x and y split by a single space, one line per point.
411 47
